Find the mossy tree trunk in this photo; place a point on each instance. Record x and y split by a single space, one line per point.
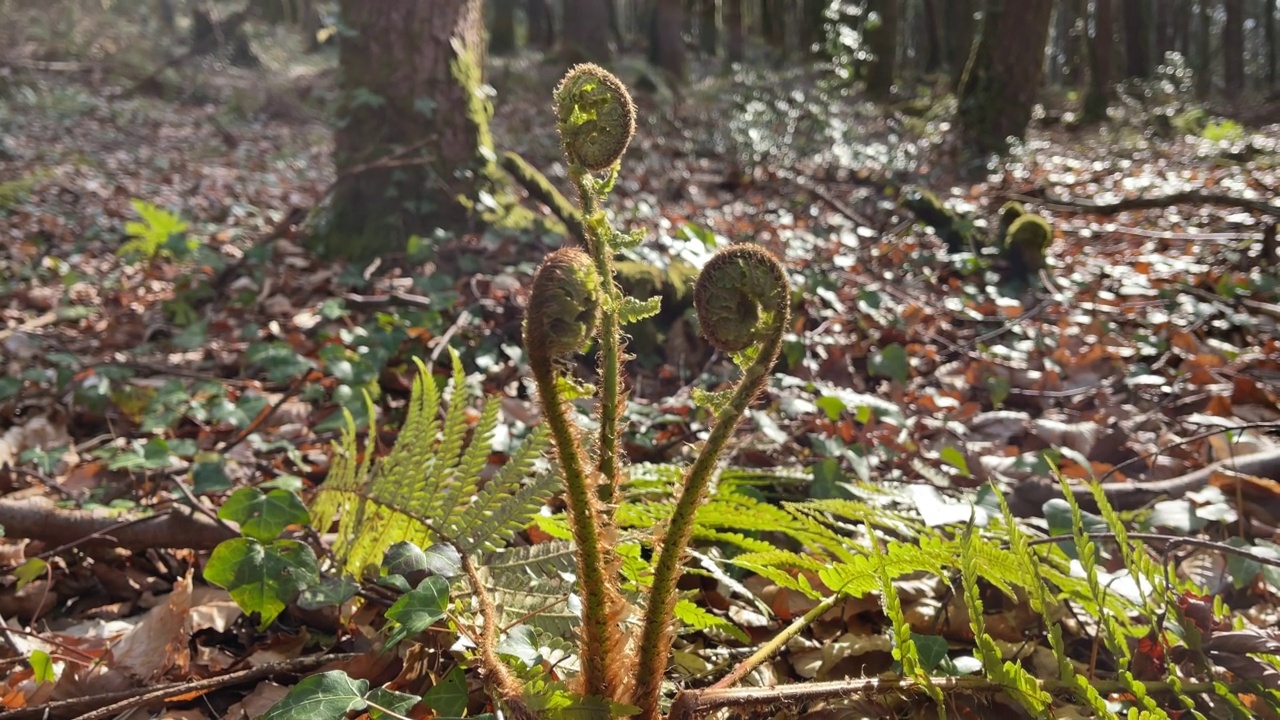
882 41
1101 59
410 143
1003 76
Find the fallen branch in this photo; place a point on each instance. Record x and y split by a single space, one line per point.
112 704
690 704
38 518
1190 197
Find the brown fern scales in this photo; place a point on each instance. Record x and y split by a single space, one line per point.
564 305
737 294
596 115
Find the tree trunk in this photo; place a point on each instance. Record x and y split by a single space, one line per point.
1273 42
708 32
409 74
933 37
773 21
961 29
542 30
1003 76
812 32
882 41
1204 55
502 33
1233 48
733 28
1166 36
1101 62
666 43
585 37
1136 35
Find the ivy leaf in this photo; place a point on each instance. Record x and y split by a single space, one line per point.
443 559
382 700
330 591
952 456
327 696
891 362
449 696
633 310
264 516
418 609
931 649
403 558
262 578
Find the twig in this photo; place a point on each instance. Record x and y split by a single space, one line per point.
40 519
690 704
765 651
1189 197
395 297
111 704
265 415
1172 541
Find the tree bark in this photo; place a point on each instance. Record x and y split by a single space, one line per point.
585 36
666 42
733 28
812 31
1101 62
773 21
1233 48
1137 38
933 37
1003 76
410 146
961 30
882 40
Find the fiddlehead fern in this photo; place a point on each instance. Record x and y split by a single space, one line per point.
742 298
563 307
596 117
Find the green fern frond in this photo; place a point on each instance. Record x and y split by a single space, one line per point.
427 484
694 617
1016 680
531 585
904 645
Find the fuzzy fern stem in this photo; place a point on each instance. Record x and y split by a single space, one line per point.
742 302
563 307
597 119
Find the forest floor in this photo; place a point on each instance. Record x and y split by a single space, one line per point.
166 338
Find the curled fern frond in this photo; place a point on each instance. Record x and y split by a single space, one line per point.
597 117
564 307
741 279
741 298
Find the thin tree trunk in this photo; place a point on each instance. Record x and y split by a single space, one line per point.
1233 48
1003 77
1137 33
1273 42
773 19
542 31
666 43
422 60
932 38
962 30
812 32
502 32
708 32
733 28
1204 55
882 40
585 37
1101 62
